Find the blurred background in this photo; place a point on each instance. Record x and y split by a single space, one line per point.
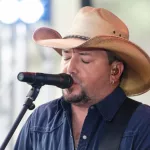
18 53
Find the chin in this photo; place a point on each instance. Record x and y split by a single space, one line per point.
71 92
75 96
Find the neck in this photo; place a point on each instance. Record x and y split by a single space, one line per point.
78 116
79 112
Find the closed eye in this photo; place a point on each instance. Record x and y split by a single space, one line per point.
67 58
85 57
86 62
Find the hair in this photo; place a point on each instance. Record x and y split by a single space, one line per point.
113 57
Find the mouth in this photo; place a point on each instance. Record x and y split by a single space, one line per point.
75 85
75 82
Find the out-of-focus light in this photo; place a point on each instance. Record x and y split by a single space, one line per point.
9 11
31 10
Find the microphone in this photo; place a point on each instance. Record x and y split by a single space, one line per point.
60 80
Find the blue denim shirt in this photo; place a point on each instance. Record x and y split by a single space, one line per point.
49 127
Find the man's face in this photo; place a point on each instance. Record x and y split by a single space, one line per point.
90 71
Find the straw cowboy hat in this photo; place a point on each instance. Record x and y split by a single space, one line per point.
99 28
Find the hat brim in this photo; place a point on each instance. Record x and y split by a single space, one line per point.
136 79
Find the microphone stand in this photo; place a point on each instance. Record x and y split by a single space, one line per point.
31 96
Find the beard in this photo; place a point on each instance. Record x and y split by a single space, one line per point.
82 97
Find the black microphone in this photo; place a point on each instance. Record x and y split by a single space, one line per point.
60 80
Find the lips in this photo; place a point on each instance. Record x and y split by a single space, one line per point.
75 82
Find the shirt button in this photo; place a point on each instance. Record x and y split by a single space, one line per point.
84 137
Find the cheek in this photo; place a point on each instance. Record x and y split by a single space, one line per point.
96 75
96 71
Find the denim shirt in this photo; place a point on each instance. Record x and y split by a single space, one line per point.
49 126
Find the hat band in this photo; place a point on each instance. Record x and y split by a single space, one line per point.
76 36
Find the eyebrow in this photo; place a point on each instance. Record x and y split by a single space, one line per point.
85 53
65 51
82 53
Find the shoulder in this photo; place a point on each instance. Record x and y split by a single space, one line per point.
45 112
50 106
137 133
140 120
138 129
142 113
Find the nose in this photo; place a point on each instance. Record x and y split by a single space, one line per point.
72 67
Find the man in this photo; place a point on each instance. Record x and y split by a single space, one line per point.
106 68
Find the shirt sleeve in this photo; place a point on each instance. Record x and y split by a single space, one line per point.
24 141
27 140
143 138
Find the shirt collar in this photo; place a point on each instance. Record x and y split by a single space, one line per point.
109 106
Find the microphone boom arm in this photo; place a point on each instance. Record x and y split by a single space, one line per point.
31 96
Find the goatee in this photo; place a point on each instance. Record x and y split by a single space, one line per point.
80 98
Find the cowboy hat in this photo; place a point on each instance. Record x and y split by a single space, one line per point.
99 28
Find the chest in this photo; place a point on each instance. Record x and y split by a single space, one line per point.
76 131
59 135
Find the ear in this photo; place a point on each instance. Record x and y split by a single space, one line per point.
116 72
